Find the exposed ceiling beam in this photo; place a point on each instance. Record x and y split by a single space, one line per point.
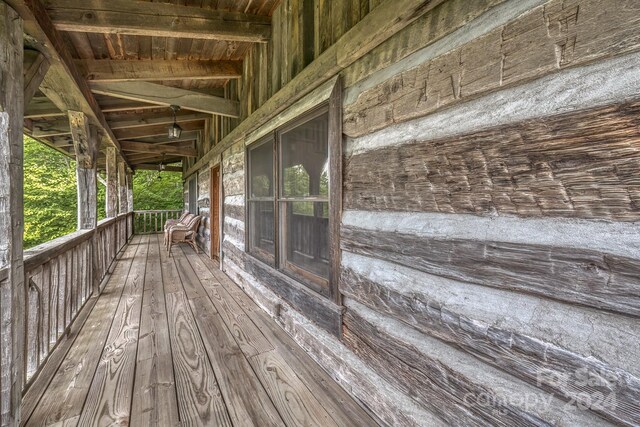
134 121
157 19
114 105
141 147
41 106
187 136
156 130
149 167
107 70
63 84
36 66
46 129
164 95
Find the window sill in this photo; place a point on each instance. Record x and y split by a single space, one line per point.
312 305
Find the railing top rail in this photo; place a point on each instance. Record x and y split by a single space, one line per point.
40 254
157 210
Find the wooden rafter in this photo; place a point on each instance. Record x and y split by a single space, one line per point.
149 167
156 130
107 70
156 19
36 66
151 120
40 106
63 84
164 95
141 147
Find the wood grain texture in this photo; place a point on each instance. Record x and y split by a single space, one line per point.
108 401
343 409
111 203
315 306
159 20
571 275
154 394
572 165
62 402
557 37
247 335
434 25
294 401
348 49
244 395
429 382
36 66
155 93
529 358
109 70
199 399
12 299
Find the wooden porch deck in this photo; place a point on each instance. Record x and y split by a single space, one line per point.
173 341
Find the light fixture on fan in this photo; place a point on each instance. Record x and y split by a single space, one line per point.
174 130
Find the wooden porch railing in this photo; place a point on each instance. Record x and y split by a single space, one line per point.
150 222
60 277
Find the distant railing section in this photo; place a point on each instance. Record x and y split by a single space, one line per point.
150 222
60 277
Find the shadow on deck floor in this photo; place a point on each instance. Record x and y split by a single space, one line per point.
173 341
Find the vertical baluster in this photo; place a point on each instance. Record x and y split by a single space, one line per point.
46 308
53 306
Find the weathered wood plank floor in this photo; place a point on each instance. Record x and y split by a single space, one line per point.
173 341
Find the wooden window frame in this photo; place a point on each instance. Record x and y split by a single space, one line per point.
332 106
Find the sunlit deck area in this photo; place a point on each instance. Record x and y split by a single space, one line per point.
173 341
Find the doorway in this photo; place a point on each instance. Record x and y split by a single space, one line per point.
214 213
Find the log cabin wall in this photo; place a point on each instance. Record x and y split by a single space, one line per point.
490 248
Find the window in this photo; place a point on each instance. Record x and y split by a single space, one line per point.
261 201
289 200
193 196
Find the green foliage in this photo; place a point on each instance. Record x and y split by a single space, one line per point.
155 190
50 201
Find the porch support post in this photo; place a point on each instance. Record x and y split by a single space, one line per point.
85 143
122 188
12 298
112 183
130 191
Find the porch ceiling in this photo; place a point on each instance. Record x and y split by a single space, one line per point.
193 47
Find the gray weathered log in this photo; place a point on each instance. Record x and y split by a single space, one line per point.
112 183
85 143
575 276
541 363
545 167
123 201
35 68
11 215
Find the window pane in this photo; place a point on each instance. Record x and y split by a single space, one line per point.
261 230
305 234
261 173
305 159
